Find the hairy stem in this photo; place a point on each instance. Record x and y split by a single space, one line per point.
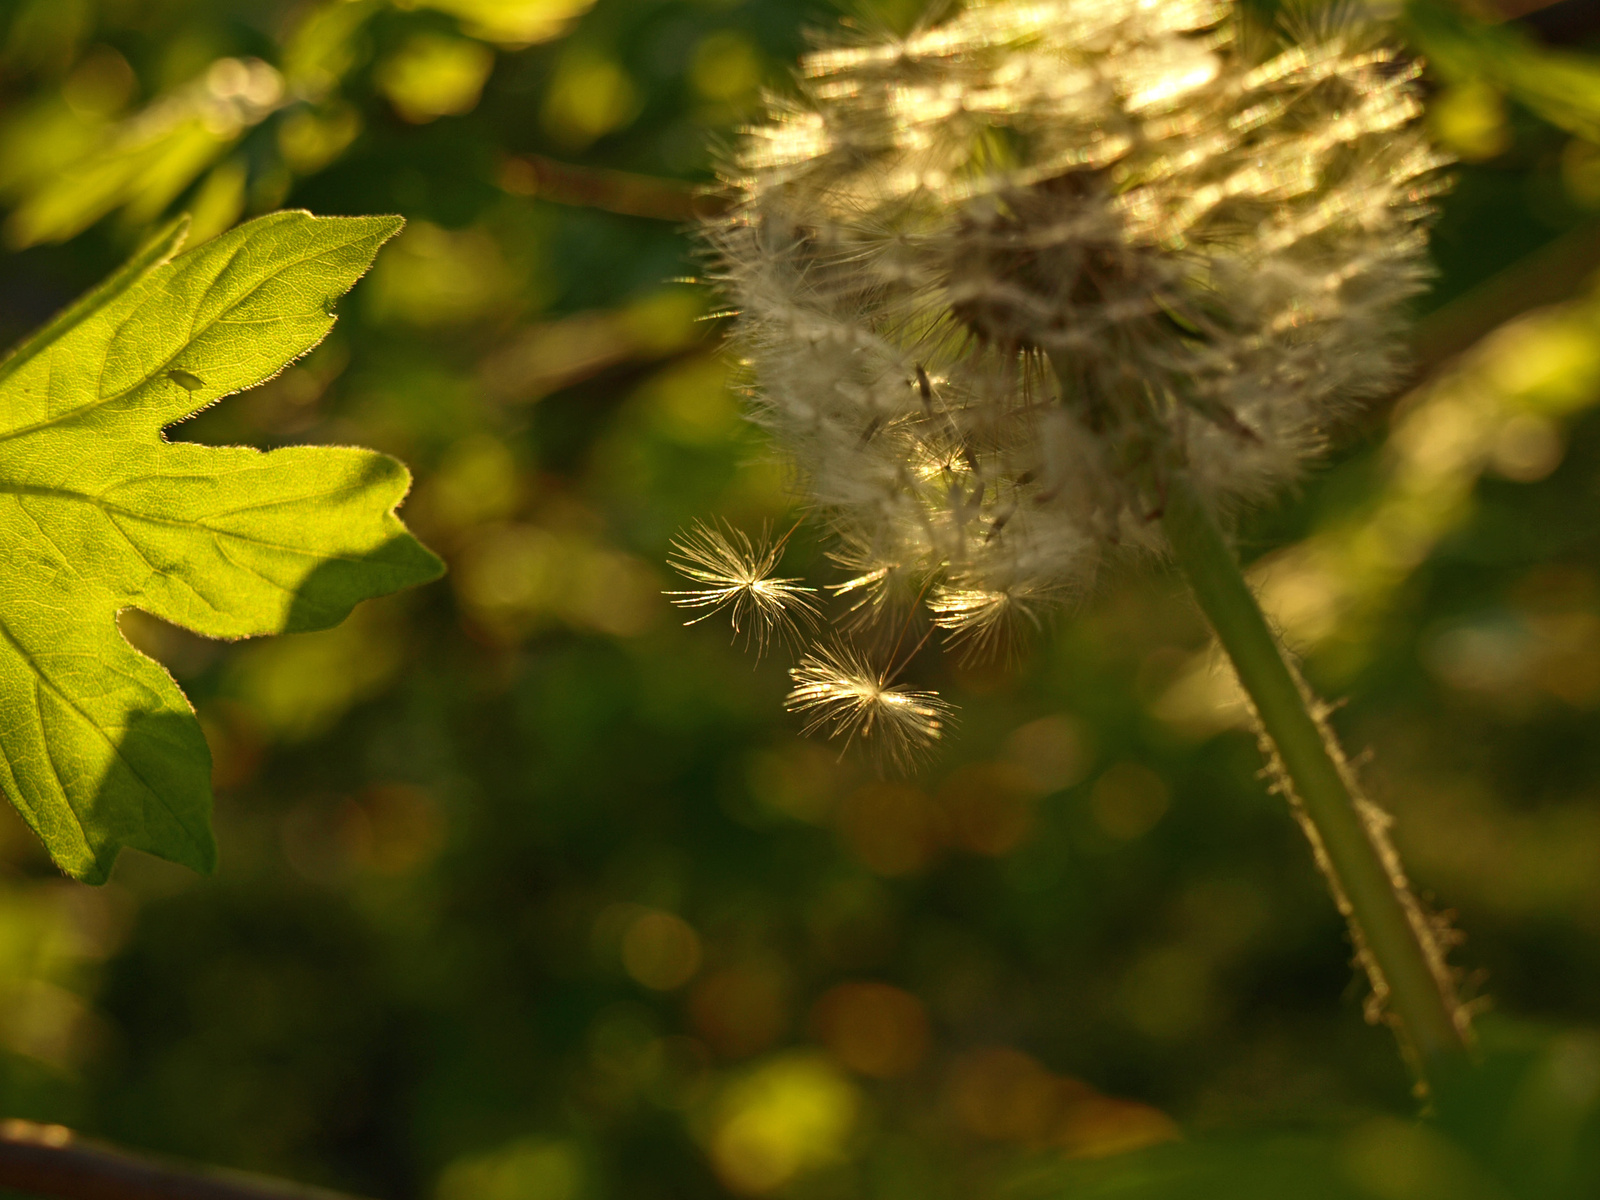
1394 938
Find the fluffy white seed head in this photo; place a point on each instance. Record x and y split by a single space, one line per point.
1002 277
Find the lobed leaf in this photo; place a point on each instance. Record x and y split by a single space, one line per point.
99 512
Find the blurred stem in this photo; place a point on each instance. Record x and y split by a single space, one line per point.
1392 934
49 1160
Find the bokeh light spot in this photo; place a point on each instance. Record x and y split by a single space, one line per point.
893 828
725 67
872 1028
799 780
1128 800
791 1114
100 85
1470 118
590 96
741 1009
1003 1094
660 951
549 1170
433 76
1055 752
435 276
989 807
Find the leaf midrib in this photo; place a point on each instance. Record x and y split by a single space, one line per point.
49 493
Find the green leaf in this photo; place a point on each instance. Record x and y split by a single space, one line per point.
148 257
99 512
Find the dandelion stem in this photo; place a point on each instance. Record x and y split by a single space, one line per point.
1392 934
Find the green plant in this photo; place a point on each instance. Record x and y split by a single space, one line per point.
1040 281
102 512
528 893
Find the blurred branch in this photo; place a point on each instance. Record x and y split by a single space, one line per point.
568 351
1558 22
558 354
552 355
51 1160
623 192
1550 274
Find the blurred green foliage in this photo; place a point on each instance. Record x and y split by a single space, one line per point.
526 890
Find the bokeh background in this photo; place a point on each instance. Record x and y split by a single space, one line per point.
529 891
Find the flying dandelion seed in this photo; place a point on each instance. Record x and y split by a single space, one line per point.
738 574
879 584
839 691
986 622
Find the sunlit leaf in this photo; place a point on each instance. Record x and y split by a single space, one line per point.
98 512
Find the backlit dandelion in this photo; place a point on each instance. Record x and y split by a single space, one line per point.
838 690
1000 279
1050 278
739 577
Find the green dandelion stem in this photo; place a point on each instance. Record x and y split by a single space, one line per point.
1392 934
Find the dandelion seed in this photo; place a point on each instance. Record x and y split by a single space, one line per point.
739 578
837 690
868 590
878 584
986 622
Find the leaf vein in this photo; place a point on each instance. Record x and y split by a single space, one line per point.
102 401
43 680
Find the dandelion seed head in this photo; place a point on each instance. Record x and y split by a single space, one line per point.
838 691
738 576
1003 279
1000 278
